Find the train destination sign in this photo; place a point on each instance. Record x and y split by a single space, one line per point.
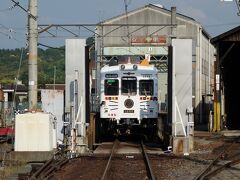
111 75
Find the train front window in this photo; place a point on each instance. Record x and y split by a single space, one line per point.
129 85
111 87
146 87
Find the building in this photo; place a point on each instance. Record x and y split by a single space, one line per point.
148 31
227 97
13 97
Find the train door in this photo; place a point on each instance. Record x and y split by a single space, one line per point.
129 111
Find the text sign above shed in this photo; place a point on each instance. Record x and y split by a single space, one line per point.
160 40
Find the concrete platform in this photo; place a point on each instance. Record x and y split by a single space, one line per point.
31 156
125 148
231 133
202 134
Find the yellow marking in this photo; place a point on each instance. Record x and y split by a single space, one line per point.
144 62
217 115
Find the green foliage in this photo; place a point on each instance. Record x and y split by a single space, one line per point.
47 60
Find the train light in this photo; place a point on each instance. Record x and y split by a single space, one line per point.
114 98
122 67
134 67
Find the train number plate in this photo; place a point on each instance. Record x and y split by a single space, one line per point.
128 111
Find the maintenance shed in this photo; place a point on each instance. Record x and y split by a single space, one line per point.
227 96
150 30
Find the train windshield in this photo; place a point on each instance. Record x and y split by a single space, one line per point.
129 85
146 87
111 87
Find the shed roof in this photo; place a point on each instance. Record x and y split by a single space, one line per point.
151 6
231 35
158 8
13 87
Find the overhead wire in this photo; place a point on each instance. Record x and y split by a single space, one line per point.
8 9
16 3
10 37
238 6
10 33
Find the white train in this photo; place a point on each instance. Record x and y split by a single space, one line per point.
129 94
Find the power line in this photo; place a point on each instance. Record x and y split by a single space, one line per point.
238 6
5 31
10 37
8 9
5 34
6 28
27 11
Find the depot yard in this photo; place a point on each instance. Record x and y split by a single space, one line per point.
127 162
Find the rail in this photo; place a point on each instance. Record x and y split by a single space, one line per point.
208 172
48 168
147 163
116 142
145 158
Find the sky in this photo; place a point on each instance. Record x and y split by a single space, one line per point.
215 16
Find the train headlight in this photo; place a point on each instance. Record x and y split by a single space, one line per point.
122 67
134 67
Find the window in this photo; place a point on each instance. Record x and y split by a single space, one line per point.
129 85
111 87
146 87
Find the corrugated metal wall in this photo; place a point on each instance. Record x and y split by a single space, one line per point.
53 102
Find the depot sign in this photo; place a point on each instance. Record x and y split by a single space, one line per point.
158 40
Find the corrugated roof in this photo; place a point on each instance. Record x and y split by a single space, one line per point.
158 8
225 35
18 87
152 6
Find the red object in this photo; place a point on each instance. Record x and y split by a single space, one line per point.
6 131
149 40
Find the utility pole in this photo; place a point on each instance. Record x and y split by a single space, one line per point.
238 6
33 54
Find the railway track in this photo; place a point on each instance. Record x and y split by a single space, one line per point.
147 163
215 167
129 160
47 170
